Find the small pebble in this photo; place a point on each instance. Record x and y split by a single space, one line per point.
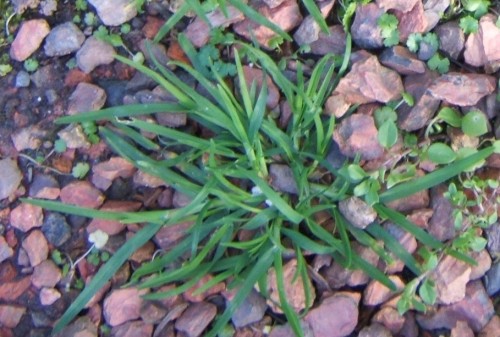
22 79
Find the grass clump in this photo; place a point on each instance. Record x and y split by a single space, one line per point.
226 176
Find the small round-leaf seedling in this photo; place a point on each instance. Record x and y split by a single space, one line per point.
475 124
441 153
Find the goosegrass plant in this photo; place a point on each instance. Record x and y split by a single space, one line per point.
227 179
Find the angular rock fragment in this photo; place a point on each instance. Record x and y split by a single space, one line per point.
122 305
26 216
105 172
113 227
451 38
332 43
451 277
401 60
36 247
115 12
365 30
63 40
376 293
86 97
413 21
196 318
482 48
82 193
10 178
28 39
357 212
93 53
282 179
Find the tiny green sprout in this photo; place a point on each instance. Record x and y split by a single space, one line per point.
388 24
80 170
438 63
475 123
81 5
469 24
90 19
60 146
5 69
77 19
30 65
125 28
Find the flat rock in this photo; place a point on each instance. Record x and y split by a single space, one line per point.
309 29
86 97
482 47
451 38
390 319
294 288
10 291
462 89
49 296
113 227
44 186
286 330
196 318
365 30
29 137
476 309
133 329
105 172
198 31
405 239
368 81
492 280
483 260
26 216
401 60
81 327
36 247
63 39
82 193
93 53
357 134
461 329
376 293
282 179
56 229
324 324
28 39
434 11
451 277
10 178
286 16
413 21
425 106
250 311
145 179
375 330
6 251
257 76
10 315
441 224
115 12
46 274
402 6
491 329
122 305
330 43
169 236
357 212
215 289
412 202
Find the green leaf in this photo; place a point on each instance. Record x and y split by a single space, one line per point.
391 39
441 64
432 40
388 134
413 42
479 7
469 24
441 153
383 114
60 146
427 292
408 98
450 116
475 123
80 170
387 22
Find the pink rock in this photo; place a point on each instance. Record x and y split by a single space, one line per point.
333 43
5 250
93 53
196 318
375 330
462 89
451 277
407 241
44 187
451 38
28 39
36 247
286 16
217 288
86 97
357 134
10 315
198 32
368 81
257 76
376 293
483 260
342 323
481 48
168 236
26 216
29 137
10 291
462 329
476 309
294 288
491 329
153 313
413 21
148 180
365 30
357 212
309 30
390 318
113 227
402 6
122 305
105 172
46 274
10 178
49 295
133 329
82 193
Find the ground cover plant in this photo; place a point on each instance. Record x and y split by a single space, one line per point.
225 169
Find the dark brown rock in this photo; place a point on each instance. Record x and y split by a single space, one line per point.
375 330
10 291
113 227
451 38
476 309
333 43
133 329
257 76
82 193
105 172
462 89
401 60
196 318
365 30
441 224
413 21
357 134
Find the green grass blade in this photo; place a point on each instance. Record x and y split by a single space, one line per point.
341 224
311 7
306 243
172 21
399 219
105 273
434 178
137 137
